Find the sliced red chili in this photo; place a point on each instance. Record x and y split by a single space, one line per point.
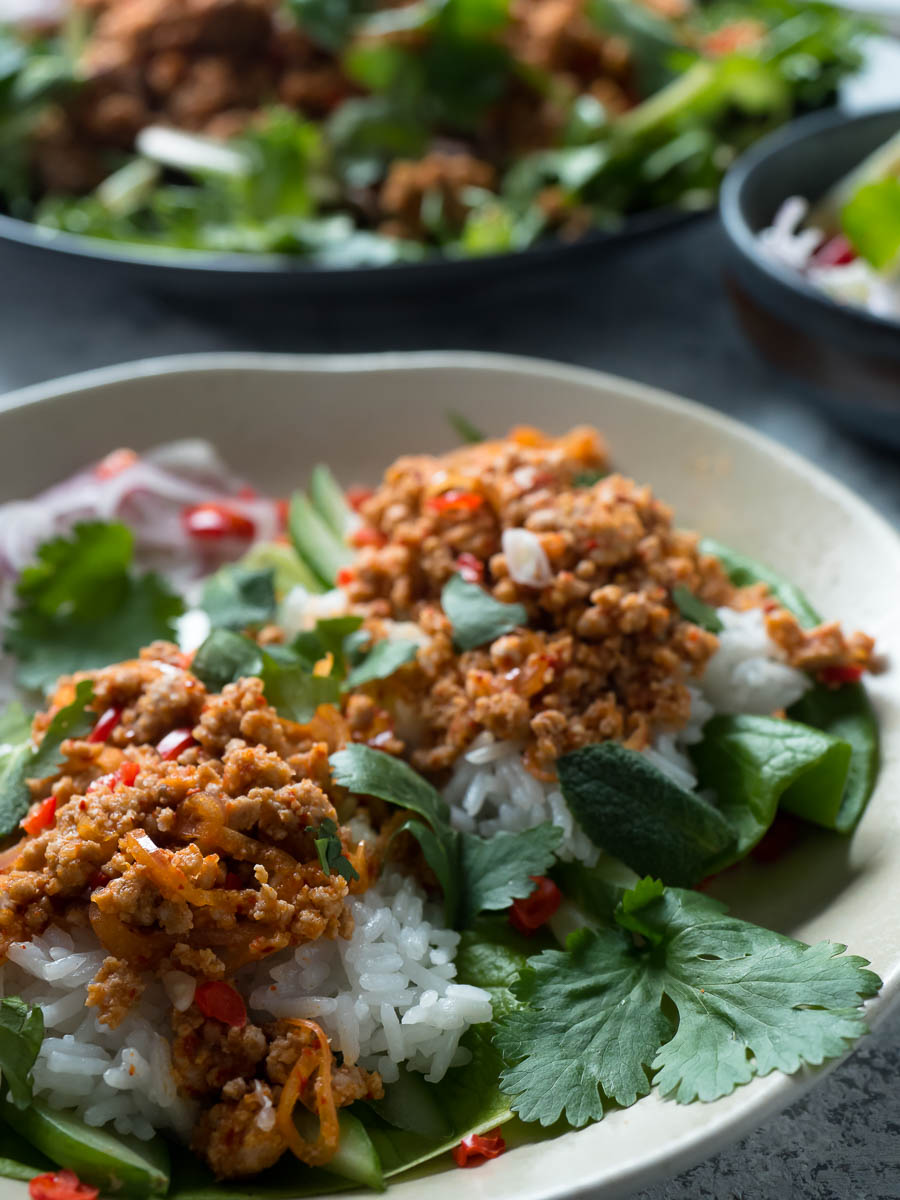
115 463
456 499
470 567
535 910
214 520
283 510
106 723
220 1002
345 576
40 817
836 252
128 773
477 1148
61 1185
174 743
837 676
357 496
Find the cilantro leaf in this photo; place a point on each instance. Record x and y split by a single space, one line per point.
743 1001
463 426
586 479
21 1034
293 691
369 772
475 615
82 606
224 658
385 657
240 597
26 762
695 610
497 870
331 851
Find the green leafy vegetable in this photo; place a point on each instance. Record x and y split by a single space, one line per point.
289 569
331 851
329 636
293 691
629 808
26 762
315 541
385 657
18 1160
755 764
81 605
743 571
329 502
871 221
475 615
497 870
695 610
368 772
586 479
21 1034
463 426
239 597
703 1002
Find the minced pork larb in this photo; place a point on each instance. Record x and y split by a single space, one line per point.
261 888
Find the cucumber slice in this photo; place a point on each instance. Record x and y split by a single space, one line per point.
328 500
104 1160
290 569
315 541
410 1104
356 1159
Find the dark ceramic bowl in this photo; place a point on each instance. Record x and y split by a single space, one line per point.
849 358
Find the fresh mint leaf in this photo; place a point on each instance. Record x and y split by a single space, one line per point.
695 610
21 1034
475 615
744 571
846 713
631 810
80 605
331 851
385 657
463 426
224 658
497 870
756 764
704 1003
240 597
24 761
293 691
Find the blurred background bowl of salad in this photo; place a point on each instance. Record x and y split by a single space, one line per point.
314 143
839 332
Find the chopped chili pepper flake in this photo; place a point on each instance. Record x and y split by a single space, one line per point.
836 252
367 536
61 1185
477 1148
837 676
220 1002
456 499
106 723
40 817
345 576
470 567
115 463
175 743
127 773
211 521
533 911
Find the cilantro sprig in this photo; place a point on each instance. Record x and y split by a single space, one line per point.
679 995
82 605
331 851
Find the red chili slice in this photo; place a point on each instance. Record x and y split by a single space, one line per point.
212 520
128 773
836 676
533 911
40 817
174 743
345 576
453 499
115 463
220 1002
357 496
61 1185
470 567
475 1149
836 252
106 724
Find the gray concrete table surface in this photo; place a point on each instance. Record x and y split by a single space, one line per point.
654 310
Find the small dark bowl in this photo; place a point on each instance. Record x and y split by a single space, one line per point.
850 358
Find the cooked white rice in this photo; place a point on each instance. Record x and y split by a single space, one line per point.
121 1077
491 789
386 995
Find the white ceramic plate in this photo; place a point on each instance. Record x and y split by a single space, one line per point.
274 417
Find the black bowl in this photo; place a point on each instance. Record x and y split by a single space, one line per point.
849 358
225 276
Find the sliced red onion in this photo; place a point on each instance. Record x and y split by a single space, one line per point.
526 558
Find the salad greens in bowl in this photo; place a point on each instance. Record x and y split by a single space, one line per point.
355 135
465 812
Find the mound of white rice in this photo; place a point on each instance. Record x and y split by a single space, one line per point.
491 789
385 996
118 1076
